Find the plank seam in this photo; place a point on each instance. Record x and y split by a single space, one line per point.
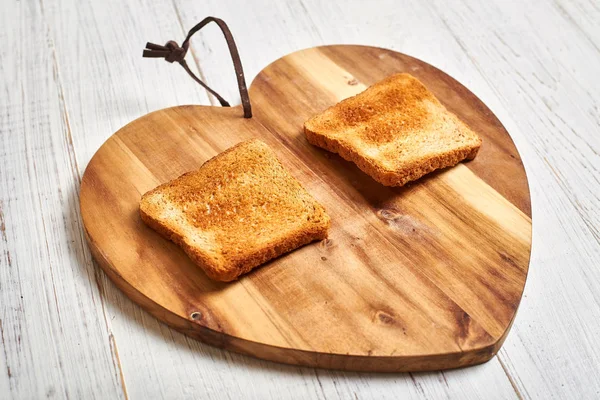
113 344
510 378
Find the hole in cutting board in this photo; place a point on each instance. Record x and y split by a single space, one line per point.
196 316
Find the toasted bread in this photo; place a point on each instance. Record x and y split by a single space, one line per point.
396 131
239 210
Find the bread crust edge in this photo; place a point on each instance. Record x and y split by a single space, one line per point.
391 177
229 270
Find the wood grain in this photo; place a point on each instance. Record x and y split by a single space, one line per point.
52 323
532 63
419 278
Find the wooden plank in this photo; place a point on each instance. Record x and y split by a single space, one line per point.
548 103
54 337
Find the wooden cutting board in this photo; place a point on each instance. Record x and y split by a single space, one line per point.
428 276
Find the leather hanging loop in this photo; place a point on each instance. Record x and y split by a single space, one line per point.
172 52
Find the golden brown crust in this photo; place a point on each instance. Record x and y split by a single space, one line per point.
396 131
257 212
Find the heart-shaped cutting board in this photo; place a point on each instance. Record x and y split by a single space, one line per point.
428 276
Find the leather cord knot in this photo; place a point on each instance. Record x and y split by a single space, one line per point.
172 52
176 53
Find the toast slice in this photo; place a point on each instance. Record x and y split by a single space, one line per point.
396 131
239 210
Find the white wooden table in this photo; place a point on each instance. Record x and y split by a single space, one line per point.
71 74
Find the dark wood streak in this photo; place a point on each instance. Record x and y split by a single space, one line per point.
403 223
462 333
464 321
265 286
507 259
